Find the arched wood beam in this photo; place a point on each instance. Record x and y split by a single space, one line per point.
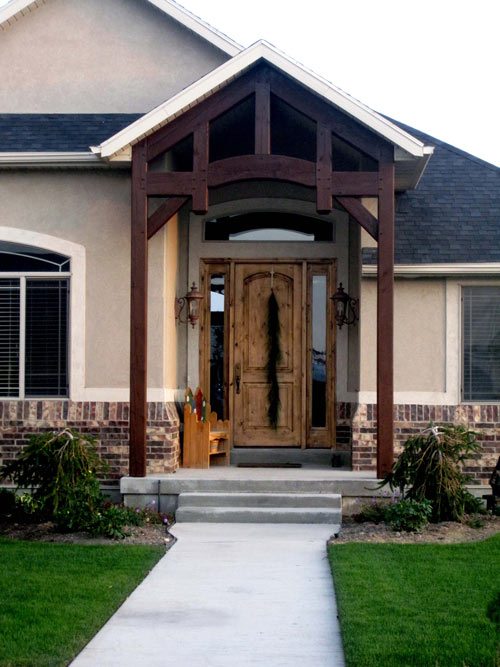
163 214
357 211
256 167
263 167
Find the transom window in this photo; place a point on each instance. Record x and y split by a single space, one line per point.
269 227
33 322
481 343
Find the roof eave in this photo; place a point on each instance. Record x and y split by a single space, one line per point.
61 159
436 270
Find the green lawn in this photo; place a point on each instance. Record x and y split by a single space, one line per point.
54 597
403 605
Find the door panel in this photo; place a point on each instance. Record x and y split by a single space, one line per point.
252 289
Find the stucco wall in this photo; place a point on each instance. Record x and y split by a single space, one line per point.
90 56
419 335
93 209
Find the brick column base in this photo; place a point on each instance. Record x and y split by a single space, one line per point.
411 419
107 421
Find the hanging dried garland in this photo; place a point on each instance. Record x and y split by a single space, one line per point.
273 359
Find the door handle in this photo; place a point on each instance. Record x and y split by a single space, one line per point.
237 377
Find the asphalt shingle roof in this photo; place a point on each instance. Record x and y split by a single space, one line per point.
454 213
59 132
452 216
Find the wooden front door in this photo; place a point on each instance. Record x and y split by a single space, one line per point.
234 349
253 283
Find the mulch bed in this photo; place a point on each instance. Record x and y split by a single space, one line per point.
153 534
447 532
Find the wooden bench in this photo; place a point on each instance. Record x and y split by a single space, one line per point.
206 438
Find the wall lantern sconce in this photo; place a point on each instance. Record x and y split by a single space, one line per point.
192 302
345 307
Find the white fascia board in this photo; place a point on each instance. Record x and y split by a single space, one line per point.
344 101
221 76
16 9
52 159
458 269
198 26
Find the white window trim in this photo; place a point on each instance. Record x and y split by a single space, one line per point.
77 307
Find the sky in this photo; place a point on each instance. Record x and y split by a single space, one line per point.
432 64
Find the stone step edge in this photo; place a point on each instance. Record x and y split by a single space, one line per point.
258 515
256 499
259 510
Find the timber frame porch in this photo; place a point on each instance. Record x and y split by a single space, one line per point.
332 187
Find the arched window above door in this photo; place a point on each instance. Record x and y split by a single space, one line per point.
269 227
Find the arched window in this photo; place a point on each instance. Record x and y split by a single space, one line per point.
269 227
34 291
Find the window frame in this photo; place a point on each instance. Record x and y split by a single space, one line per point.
23 277
462 286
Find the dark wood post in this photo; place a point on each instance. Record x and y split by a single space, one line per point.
200 168
262 118
385 315
324 168
138 314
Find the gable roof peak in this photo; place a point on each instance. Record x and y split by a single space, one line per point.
16 9
118 146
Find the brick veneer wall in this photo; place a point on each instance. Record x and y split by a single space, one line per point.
411 419
107 421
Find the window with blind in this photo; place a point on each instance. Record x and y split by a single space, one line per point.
10 337
481 343
33 322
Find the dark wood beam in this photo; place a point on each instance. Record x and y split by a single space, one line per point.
263 167
385 316
355 183
138 314
163 214
362 216
200 168
324 199
168 184
213 106
320 111
262 118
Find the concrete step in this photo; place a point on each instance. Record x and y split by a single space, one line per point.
260 508
332 500
327 515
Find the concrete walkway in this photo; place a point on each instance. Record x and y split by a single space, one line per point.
229 595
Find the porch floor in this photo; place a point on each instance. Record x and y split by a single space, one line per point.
309 471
